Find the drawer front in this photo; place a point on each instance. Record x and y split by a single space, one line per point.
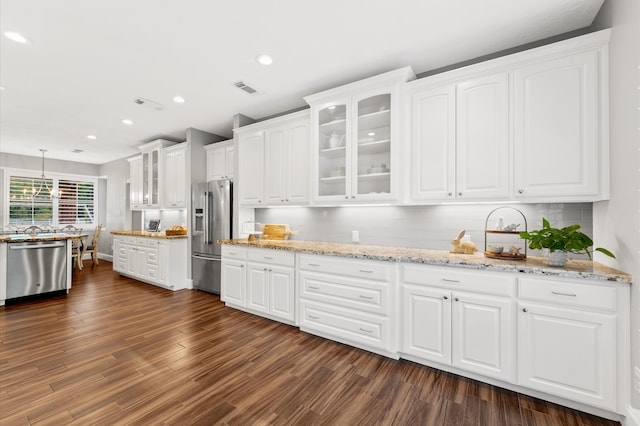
151 242
234 252
568 293
273 257
369 296
365 269
454 279
152 272
130 240
152 257
356 328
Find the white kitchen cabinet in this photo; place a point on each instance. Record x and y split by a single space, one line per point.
273 161
146 176
351 301
443 322
161 262
135 183
220 160
261 281
560 134
356 140
287 162
460 139
567 340
175 176
251 165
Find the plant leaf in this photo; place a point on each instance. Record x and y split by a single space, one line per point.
605 251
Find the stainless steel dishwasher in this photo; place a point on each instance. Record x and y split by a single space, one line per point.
36 267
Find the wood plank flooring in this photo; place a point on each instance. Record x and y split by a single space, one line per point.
117 351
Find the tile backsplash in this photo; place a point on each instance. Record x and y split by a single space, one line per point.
431 227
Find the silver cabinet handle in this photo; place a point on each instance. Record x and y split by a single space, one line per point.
459 193
366 271
362 296
314 287
525 310
312 317
265 269
456 299
450 281
314 264
268 257
445 298
558 293
242 266
520 191
365 330
233 253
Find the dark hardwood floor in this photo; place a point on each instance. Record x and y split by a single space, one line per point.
117 351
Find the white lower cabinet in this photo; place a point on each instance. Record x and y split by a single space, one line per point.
261 281
350 301
162 262
466 330
567 340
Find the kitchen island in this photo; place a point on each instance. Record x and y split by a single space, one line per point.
34 264
555 333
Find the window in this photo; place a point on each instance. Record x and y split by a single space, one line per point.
31 201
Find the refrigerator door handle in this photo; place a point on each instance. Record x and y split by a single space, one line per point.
195 256
206 217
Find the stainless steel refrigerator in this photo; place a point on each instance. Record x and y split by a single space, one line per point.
212 212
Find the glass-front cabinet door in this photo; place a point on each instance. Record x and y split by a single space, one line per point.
155 178
146 160
333 164
372 146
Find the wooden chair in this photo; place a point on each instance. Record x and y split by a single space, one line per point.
93 246
76 245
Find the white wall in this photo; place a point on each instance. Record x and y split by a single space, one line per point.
431 227
117 214
617 221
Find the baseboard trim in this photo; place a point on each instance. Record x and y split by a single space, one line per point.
632 418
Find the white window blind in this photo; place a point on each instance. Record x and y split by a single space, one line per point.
27 206
31 201
75 205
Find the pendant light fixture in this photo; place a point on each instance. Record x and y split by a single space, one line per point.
43 184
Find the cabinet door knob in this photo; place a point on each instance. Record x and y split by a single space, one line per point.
450 194
353 196
445 298
525 310
456 299
259 201
520 191
459 193
346 196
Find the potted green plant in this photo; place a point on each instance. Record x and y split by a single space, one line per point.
560 242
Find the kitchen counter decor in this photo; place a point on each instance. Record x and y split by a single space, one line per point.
503 241
560 242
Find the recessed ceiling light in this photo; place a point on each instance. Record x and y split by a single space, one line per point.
264 59
178 99
127 122
17 37
92 137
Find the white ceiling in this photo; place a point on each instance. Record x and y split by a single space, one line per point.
88 59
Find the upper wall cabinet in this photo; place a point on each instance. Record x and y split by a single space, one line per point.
460 140
559 121
532 126
220 160
146 177
356 131
175 176
273 161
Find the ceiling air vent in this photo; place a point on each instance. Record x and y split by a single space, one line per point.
77 151
149 104
243 86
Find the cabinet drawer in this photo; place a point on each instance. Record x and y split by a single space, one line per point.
152 257
452 278
151 242
273 257
568 293
130 240
366 296
365 269
357 328
234 252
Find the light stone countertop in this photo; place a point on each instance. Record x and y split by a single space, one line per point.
148 234
28 238
579 269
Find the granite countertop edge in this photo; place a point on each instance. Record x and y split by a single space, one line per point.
534 265
35 238
148 234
